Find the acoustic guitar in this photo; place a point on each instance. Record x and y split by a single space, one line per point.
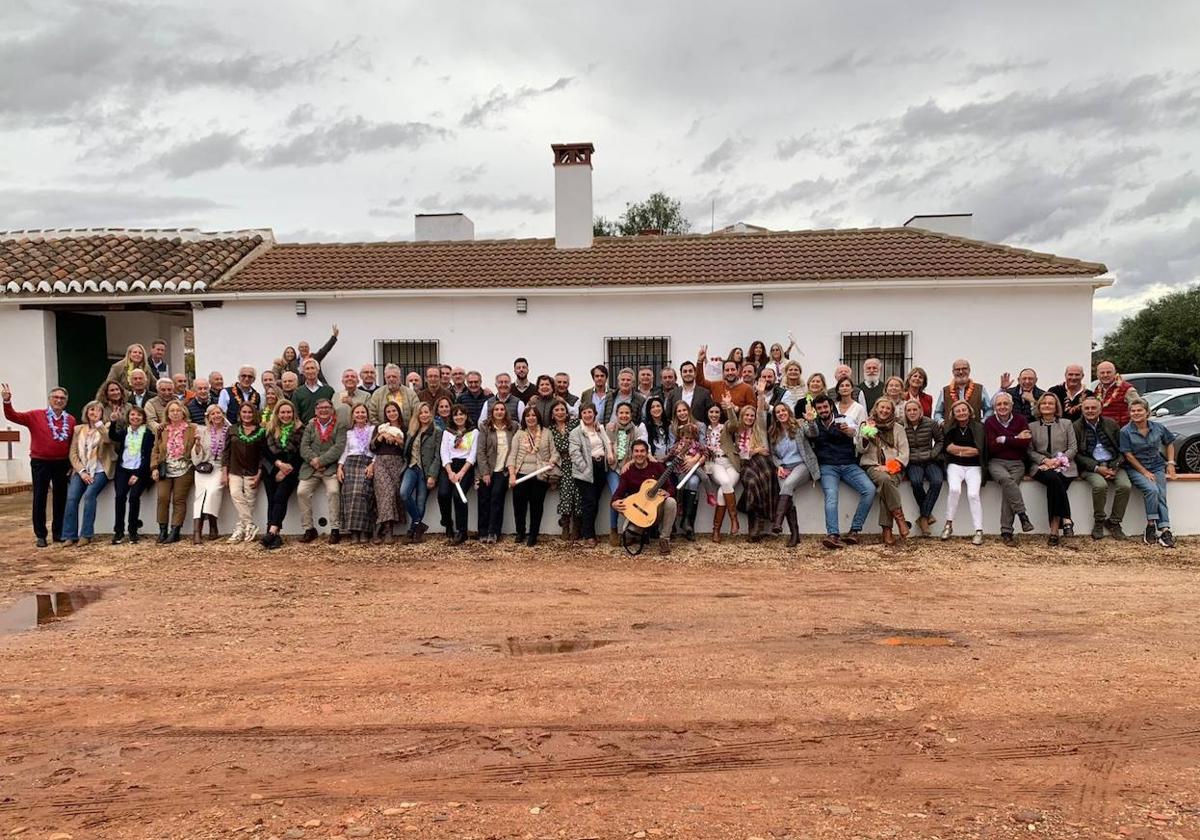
641 508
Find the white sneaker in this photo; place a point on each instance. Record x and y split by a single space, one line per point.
977 539
947 530
237 534
251 533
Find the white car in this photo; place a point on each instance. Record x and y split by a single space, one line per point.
1173 402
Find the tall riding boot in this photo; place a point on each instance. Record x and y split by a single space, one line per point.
691 500
213 533
174 536
197 530
753 531
793 526
731 511
781 508
718 518
162 534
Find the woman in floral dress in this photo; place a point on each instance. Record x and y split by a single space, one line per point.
569 511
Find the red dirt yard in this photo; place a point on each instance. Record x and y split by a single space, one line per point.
729 691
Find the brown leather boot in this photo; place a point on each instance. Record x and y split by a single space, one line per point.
793 527
901 525
213 533
731 511
888 537
197 530
718 518
781 509
576 525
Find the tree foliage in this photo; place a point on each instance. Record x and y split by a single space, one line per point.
658 212
1163 336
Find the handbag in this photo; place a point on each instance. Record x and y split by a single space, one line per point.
204 467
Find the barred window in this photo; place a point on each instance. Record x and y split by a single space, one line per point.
409 355
653 352
893 349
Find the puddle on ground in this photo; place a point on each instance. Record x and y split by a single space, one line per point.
542 646
39 608
916 641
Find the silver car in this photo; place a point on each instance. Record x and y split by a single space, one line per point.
1187 441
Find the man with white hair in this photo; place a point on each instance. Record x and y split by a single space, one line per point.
393 390
50 432
311 390
242 391
156 408
871 387
366 376
139 391
350 396
200 401
962 387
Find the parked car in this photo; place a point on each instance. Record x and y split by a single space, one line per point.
1187 441
1146 382
1173 402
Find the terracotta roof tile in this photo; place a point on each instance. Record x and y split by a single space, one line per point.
101 262
800 256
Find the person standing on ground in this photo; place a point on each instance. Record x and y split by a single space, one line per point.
50 431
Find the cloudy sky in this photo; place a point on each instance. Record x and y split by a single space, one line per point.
1065 127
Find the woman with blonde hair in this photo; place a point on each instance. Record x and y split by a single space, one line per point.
92 463
1052 451
893 389
134 359
883 445
794 387
171 466
272 394
964 448
756 473
915 383
281 474
491 468
356 472
208 454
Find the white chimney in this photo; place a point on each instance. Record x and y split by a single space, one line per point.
954 224
572 194
443 227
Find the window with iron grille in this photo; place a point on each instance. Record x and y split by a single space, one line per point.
893 349
409 355
653 352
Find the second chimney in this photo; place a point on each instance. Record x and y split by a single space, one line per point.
572 194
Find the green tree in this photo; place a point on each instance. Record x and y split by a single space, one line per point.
658 212
1162 336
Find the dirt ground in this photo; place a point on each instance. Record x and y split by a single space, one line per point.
729 691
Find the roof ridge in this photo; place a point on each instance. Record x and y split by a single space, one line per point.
187 234
1000 246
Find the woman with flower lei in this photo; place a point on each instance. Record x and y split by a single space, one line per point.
241 464
281 468
208 454
171 466
356 472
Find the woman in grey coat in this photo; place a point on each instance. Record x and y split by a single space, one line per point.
1052 462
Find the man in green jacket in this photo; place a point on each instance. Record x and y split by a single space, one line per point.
1099 460
321 446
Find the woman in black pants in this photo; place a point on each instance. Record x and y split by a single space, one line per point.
532 449
459 443
134 445
281 468
491 466
591 456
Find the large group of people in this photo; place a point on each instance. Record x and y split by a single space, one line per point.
746 433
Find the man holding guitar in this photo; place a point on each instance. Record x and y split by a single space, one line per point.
646 493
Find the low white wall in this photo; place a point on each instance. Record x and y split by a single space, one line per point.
30 367
1184 500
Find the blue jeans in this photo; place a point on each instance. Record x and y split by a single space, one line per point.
613 480
918 474
1154 494
415 492
852 474
87 493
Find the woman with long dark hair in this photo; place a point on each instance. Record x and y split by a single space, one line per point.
459 443
356 472
795 462
591 459
532 449
281 468
422 454
491 469
243 466
388 444
92 464
134 445
561 425
658 429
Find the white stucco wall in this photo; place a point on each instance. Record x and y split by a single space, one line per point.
991 326
30 367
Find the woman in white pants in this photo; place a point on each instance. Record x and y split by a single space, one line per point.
964 465
208 453
722 467
243 466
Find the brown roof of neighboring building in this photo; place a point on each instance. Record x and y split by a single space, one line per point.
120 261
799 256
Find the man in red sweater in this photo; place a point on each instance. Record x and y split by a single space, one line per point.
741 393
50 432
640 469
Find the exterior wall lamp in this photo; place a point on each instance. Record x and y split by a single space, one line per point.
757 300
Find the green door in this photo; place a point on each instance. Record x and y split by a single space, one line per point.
82 356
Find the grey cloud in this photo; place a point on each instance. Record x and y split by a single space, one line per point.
719 159
64 208
847 62
851 61
1166 197
209 152
804 190
523 202
344 138
788 148
977 72
302 114
1028 204
469 174
498 101
1170 257
1131 106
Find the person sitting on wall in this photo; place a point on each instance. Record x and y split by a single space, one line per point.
1008 438
1142 443
1100 460
50 431
833 439
639 470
